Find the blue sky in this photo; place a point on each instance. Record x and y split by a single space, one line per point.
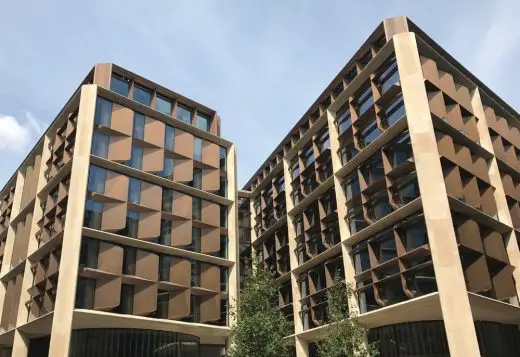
260 64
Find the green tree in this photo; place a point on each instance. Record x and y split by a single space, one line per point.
343 336
260 327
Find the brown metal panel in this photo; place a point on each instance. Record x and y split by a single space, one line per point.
26 187
507 182
462 95
147 265
102 74
394 26
447 84
210 277
182 205
179 304
468 234
504 283
180 271
464 157
8 302
215 125
114 216
154 132
182 170
487 202
445 146
209 308
210 240
181 233
151 195
110 258
454 116
34 179
122 119
494 244
436 102
210 154
471 192
183 143
477 276
108 294
145 299
153 160
120 148
514 210
429 69
116 185
210 213
211 179
149 225
16 299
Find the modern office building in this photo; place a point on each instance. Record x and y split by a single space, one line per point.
118 231
403 177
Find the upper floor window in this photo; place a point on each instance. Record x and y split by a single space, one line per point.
197 178
365 100
132 224
222 156
351 187
197 148
142 95
103 113
136 158
295 168
344 121
120 85
323 141
134 190
93 214
196 207
168 166
129 260
169 137
308 156
100 144
138 130
183 113
223 216
203 121
167 200
163 105
389 76
365 59
394 111
96 179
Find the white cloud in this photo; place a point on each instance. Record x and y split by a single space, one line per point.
16 135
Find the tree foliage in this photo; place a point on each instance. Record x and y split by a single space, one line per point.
260 327
343 336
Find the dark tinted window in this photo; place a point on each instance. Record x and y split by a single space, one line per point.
119 85
142 95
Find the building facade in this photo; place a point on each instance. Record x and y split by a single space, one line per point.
118 231
403 177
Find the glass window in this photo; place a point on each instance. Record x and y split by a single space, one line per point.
385 249
223 157
163 300
395 111
352 188
223 216
163 105
365 100
136 158
223 246
197 178
389 77
103 113
196 206
89 253
93 214
362 260
323 141
96 179
195 245
132 224
120 85
195 273
197 148
169 138
223 279
142 95
203 121
223 186
416 236
167 171
369 133
167 200
129 259
166 233
138 131
127 299
308 156
134 190
100 145
295 168
85 292
164 267
183 113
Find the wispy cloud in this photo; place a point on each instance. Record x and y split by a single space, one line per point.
15 134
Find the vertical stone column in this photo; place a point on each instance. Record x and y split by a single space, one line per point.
456 309
66 291
233 248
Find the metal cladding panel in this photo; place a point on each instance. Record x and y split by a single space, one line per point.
8 301
114 216
120 148
210 154
495 248
210 240
116 185
179 304
183 143
122 119
16 299
154 132
211 179
102 72
209 308
181 233
149 225
110 258
183 170
180 271
477 276
145 299
429 70
182 205
151 195
469 235
504 283
210 277
453 182
210 213
147 265
153 160
108 294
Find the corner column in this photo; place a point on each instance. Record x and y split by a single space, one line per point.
456 309
66 291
